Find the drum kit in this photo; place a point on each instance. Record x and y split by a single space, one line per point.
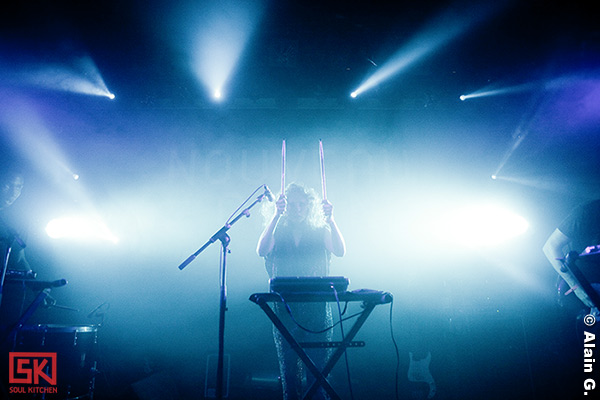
74 348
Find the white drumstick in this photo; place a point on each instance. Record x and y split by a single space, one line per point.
283 168
323 183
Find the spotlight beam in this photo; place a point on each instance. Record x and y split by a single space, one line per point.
496 92
515 145
541 183
443 29
219 42
522 130
82 77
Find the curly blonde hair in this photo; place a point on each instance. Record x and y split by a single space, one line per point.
314 218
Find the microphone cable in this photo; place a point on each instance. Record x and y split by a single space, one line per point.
344 338
299 325
243 204
397 378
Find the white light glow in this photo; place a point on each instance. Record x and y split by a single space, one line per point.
79 228
481 226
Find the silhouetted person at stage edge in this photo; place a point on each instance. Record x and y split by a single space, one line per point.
578 231
11 185
567 329
298 241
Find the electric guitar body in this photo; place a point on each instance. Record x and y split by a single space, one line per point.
418 372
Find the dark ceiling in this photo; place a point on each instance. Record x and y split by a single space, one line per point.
299 66
306 48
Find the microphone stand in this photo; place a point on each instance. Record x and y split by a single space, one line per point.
222 236
4 268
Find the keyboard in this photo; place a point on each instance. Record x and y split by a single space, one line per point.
309 284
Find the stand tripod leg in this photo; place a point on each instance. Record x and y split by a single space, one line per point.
319 376
342 348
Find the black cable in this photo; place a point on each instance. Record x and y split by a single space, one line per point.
243 204
340 322
289 311
396 349
343 338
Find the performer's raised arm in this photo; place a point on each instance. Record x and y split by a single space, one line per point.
334 241
266 240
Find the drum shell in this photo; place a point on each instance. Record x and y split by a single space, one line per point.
76 353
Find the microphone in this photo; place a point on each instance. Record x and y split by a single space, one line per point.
39 285
269 194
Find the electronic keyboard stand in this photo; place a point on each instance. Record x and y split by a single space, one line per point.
370 300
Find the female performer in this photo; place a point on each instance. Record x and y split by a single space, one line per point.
298 241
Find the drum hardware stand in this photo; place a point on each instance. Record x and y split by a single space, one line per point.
50 302
12 332
224 238
100 312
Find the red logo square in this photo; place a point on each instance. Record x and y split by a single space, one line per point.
28 368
